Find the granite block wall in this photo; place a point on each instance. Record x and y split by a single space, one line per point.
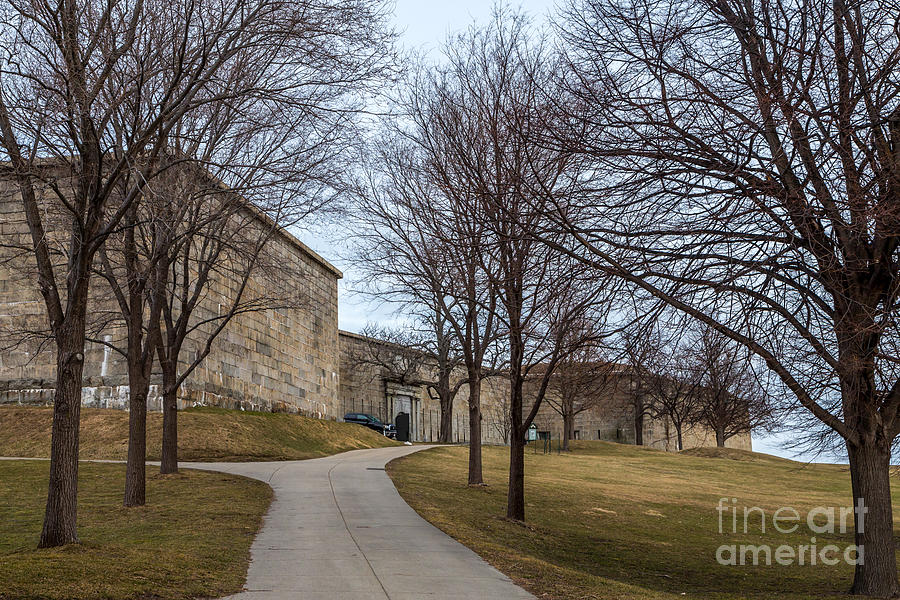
275 359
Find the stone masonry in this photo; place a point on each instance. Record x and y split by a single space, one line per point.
373 390
274 360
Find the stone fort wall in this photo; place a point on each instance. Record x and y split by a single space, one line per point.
274 359
369 388
612 420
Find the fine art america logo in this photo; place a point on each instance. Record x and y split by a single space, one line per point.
787 521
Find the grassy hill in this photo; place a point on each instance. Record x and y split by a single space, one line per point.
204 434
191 540
614 521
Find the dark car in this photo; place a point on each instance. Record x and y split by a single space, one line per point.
371 422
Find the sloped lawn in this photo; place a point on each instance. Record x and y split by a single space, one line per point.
191 540
611 521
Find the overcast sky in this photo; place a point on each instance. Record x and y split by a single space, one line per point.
425 26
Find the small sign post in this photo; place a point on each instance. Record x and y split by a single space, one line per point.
532 433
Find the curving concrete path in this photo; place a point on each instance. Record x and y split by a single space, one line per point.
338 530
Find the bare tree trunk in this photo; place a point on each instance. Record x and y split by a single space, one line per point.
135 468
638 428
475 468
60 516
679 440
515 498
568 429
445 435
140 366
720 437
169 458
876 574
445 396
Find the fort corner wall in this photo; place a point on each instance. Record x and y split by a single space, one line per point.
272 360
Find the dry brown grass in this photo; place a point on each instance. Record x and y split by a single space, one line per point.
611 521
203 434
191 540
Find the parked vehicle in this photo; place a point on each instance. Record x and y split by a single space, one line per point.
373 423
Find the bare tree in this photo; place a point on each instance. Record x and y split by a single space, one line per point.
395 352
135 285
476 173
548 304
283 155
184 221
498 417
225 267
747 177
405 263
424 238
664 372
585 379
638 408
731 399
489 115
268 124
89 94
446 360
638 345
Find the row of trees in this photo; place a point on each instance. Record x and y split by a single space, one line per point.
449 213
694 376
452 227
159 146
745 151
732 160
683 376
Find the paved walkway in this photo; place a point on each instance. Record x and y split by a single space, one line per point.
338 530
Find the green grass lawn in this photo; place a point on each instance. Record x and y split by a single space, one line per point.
191 540
204 434
622 522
